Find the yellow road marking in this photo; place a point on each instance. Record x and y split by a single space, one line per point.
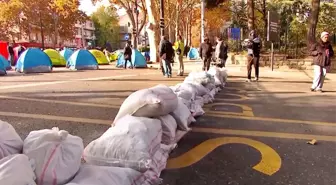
57 118
269 164
241 97
257 133
215 114
61 102
247 111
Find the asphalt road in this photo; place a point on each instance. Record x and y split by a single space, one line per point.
253 134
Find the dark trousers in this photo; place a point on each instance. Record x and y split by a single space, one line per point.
206 63
128 60
252 61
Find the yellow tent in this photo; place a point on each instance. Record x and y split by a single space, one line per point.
55 57
99 55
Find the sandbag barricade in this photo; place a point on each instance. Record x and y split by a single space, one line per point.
133 151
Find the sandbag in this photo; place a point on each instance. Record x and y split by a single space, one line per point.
199 101
186 102
201 90
188 88
207 99
185 94
10 141
106 175
17 169
210 86
130 143
196 110
182 115
57 155
153 102
199 78
169 127
224 74
215 71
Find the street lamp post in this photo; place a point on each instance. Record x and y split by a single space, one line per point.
162 17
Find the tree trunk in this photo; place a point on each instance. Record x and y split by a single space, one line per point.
177 26
187 31
42 31
151 26
265 18
250 14
313 19
190 27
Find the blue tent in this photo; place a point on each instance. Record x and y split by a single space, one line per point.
82 60
33 60
66 53
138 60
3 63
193 54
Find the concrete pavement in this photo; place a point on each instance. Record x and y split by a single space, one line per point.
254 133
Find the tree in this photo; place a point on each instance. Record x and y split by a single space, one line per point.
9 18
327 18
129 6
250 14
106 23
313 19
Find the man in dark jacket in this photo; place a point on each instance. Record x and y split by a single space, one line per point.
11 53
322 52
253 51
128 54
221 52
206 53
166 56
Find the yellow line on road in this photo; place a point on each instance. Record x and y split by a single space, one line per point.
222 115
57 118
269 164
264 134
241 97
61 102
247 111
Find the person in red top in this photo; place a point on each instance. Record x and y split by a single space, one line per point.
322 52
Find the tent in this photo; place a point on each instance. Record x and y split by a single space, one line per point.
66 53
56 58
100 57
82 60
3 49
138 60
3 63
33 60
193 54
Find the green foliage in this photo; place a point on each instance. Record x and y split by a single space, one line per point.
106 23
144 49
327 18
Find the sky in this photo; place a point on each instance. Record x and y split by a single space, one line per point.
88 7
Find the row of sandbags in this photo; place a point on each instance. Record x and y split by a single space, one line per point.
133 151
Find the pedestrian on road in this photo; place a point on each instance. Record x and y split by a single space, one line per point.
21 50
206 53
322 52
11 53
128 55
179 51
166 55
253 55
221 52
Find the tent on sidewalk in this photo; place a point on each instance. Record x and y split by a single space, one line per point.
66 53
193 54
138 60
3 63
100 57
56 58
33 60
82 60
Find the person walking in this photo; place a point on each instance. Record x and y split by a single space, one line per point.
221 52
206 53
166 55
322 52
179 51
128 55
253 55
10 50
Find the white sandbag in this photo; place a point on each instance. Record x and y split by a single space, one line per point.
153 102
224 74
188 87
219 80
201 90
106 175
182 116
210 86
199 100
196 110
186 102
10 141
207 99
57 155
17 170
199 78
213 93
185 94
169 128
131 143
160 158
